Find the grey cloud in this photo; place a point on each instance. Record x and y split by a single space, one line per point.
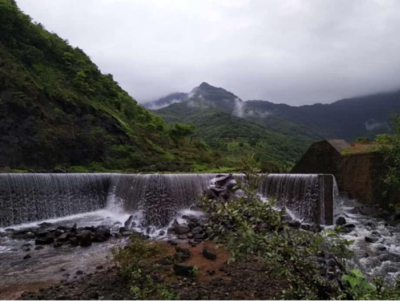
296 52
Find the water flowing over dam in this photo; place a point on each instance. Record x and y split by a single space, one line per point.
32 197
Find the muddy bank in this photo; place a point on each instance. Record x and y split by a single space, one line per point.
214 279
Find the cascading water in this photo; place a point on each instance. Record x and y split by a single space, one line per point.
32 197
309 196
159 196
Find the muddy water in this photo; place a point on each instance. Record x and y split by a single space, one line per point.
51 265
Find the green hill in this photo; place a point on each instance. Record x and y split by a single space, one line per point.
235 137
58 109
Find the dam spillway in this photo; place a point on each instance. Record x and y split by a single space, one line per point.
33 197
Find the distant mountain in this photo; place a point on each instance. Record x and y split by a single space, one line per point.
165 101
348 118
216 113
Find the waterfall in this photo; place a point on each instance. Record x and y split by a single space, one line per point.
309 196
32 197
159 196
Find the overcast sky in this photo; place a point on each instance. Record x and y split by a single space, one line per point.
295 52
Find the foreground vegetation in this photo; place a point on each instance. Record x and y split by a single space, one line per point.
251 229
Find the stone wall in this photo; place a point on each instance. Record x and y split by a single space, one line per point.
360 175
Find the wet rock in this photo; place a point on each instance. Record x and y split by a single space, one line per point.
305 227
190 235
63 237
161 233
181 229
340 221
99 267
86 238
196 230
182 236
9 230
376 233
182 269
371 239
57 244
210 194
39 247
45 225
44 240
294 224
366 255
101 234
30 235
42 233
79 272
27 256
209 253
349 227
74 241
381 248
223 179
74 228
126 233
128 222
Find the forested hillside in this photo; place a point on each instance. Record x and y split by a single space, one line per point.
58 110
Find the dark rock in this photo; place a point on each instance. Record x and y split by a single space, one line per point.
196 230
376 233
340 221
182 269
128 222
190 235
166 261
381 248
45 225
371 239
44 240
199 236
42 233
86 238
305 227
39 247
30 235
161 233
366 255
57 244
99 267
9 230
79 272
74 228
181 229
101 234
182 254
182 236
350 227
294 224
27 256
126 233
223 179
63 237
74 241
209 253
210 194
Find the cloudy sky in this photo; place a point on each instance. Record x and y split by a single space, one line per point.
295 52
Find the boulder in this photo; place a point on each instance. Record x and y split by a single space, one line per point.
128 222
74 228
181 229
45 225
340 221
371 239
44 240
196 230
27 256
294 224
209 253
63 237
86 238
182 269
101 234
